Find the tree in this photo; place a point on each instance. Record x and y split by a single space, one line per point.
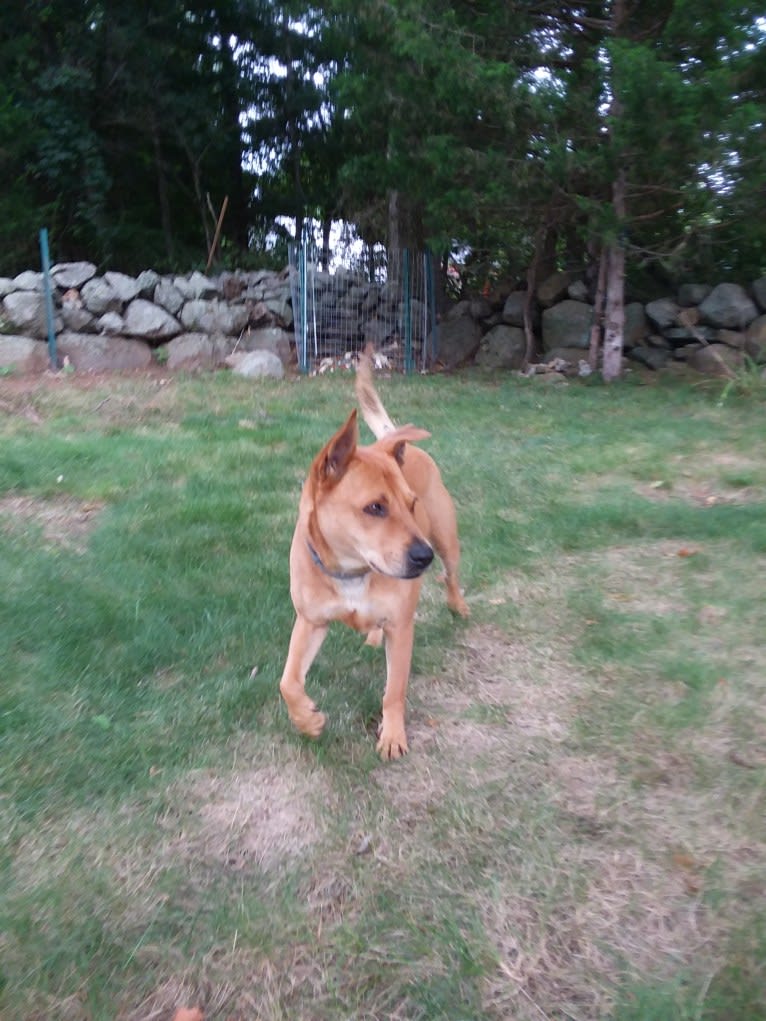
132 117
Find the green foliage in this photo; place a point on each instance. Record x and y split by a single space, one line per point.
500 129
749 381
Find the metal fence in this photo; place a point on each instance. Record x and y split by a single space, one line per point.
378 296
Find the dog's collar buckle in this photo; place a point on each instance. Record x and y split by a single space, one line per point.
337 575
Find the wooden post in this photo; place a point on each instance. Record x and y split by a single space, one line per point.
217 234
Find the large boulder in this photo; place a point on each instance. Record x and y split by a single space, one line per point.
280 305
99 297
77 319
504 347
458 336
112 323
759 293
652 357
89 352
23 354
663 313
731 338
269 338
150 322
256 365
567 324
201 316
126 288
513 309
555 287
755 340
636 324
147 280
481 309
68 275
715 360
728 306
29 280
167 296
192 351
25 311
578 291
196 286
693 294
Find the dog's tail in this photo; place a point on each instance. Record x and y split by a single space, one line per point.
373 412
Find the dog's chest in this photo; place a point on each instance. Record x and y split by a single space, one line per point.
357 605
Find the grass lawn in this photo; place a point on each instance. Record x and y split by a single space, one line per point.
579 831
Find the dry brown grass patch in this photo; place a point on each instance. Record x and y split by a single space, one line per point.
259 817
604 879
64 521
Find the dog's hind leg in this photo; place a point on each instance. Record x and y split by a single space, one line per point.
455 599
445 541
305 642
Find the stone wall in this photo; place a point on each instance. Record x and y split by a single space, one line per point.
711 328
244 319
115 322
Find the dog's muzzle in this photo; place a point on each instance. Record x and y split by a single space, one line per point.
419 556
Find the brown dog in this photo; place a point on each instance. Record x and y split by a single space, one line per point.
368 523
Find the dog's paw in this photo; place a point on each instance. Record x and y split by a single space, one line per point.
392 744
459 606
308 719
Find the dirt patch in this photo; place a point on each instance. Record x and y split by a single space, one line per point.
700 494
64 521
15 386
524 685
257 818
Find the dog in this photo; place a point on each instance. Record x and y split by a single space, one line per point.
369 520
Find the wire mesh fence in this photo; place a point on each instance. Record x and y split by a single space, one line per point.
386 298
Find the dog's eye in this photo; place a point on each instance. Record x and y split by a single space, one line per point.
376 510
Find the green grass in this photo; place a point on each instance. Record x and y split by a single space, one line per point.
579 829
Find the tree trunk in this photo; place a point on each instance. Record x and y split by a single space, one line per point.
614 328
326 228
394 222
394 237
598 310
532 277
614 324
614 320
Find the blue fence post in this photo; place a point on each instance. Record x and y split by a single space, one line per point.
303 351
48 290
406 282
430 284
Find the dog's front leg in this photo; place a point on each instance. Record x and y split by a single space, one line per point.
392 737
305 642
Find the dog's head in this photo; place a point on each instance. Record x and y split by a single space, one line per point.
363 513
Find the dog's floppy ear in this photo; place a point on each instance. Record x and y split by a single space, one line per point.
394 443
333 460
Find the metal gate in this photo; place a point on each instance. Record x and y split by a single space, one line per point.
386 298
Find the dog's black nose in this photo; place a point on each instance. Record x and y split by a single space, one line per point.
419 556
